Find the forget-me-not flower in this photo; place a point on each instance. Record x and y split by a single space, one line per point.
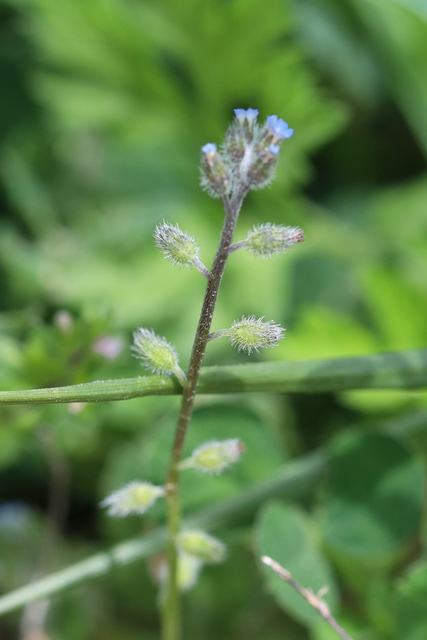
279 128
246 114
209 148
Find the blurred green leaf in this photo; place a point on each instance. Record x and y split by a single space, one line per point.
417 6
286 535
410 604
26 190
383 402
322 331
400 37
334 44
397 308
374 496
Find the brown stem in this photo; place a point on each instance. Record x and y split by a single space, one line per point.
171 614
313 600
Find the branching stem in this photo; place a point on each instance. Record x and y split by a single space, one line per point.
202 269
171 609
238 245
313 600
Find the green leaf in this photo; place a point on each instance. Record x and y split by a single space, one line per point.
329 36
382 402
400 38
285 534
375 494
397 307
321 332
416 6
411 605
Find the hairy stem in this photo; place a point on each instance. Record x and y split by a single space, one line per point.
238 245
171 610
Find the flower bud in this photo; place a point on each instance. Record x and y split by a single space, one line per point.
267 239
234 146
263 167
265 151
180 248
250 334
202 546
213 457
250 154
188 571
240 134
135 498
158 355
246 117
215 175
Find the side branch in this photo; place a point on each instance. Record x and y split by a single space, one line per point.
313 600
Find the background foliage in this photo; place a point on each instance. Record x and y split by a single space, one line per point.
104 106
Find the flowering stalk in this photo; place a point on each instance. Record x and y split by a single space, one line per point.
247 161
232 206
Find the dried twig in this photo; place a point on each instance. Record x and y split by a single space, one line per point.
314 600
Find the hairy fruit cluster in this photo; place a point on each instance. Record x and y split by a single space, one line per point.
214 457
133 499
251 334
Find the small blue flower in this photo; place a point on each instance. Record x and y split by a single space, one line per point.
246 114
279 128
209 148
274 149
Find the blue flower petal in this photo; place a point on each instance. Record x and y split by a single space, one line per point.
246 114
209 148
279 128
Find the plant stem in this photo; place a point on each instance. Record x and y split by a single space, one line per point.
400 370
171 609
239 245
313 600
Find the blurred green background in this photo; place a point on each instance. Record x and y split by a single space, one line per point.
104 105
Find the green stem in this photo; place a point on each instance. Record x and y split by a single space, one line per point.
171 608
394 370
